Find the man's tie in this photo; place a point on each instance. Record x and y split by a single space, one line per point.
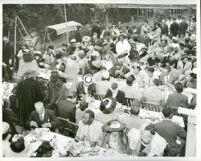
41 117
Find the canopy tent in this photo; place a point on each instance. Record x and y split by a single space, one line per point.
64 27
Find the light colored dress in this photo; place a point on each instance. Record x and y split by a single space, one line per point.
27 66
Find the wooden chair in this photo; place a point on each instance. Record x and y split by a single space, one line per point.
67 127
98 97
151 107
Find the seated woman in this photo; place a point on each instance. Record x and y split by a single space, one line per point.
60 91
86 87
177 99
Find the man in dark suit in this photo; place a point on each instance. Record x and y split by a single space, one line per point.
174 27
42 118
164 28
173 134
183 26
116 93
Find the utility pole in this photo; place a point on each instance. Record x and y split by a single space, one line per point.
67 39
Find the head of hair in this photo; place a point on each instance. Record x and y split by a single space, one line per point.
50 47
156 82
130 80
167 112
91 113
179 87
150 69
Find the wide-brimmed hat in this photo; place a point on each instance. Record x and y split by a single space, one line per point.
73 41
88 79
18 145
123 34
105 74
114 126
31 73
86 38
45 149
108 105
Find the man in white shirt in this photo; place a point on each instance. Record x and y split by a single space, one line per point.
89 129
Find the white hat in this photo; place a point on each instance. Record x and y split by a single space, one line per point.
105 74
86 38
73 41
5 127
88 79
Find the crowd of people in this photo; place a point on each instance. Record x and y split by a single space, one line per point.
148 58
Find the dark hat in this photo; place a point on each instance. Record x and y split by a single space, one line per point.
18 146
108 105
44 150
62 79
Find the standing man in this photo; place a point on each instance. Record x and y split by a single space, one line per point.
96 28
183 26
77 35
8 57
174 28
164 28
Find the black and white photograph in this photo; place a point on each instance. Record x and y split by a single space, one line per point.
100 80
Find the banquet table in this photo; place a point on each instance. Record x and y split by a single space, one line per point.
61 145
131 121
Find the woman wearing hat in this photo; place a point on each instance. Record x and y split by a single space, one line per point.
28 92
86 87
27 63
60 91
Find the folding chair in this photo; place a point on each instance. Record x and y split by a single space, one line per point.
151 107
67 127
98 97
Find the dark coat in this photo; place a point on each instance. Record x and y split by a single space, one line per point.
183 26
174 28
66 109
8 52
49 117
28 93
120 96
170 131
164 29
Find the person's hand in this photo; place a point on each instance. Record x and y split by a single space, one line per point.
46 125
33 124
